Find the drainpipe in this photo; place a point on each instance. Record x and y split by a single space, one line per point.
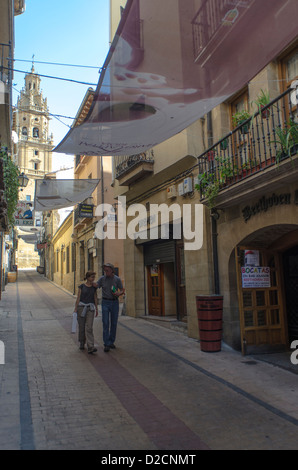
214 216
102 201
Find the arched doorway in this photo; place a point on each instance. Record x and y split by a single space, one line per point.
267 279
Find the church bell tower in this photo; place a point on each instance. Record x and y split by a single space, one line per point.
34 157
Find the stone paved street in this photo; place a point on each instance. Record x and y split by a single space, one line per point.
156 391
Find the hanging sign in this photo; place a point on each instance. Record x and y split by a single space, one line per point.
86 210
255 277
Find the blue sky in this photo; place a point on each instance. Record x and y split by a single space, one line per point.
68 32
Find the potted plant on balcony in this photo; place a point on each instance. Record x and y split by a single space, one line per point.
262 101
224 143
287 139
209 184
239 118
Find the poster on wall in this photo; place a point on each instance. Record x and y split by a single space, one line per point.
252 258
255 277
24 214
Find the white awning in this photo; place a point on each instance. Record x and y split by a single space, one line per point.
57 194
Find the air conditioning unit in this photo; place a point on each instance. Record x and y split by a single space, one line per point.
187 185
171 192
181 189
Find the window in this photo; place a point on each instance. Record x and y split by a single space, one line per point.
35 132
289 69
36 152
36 166
28 197
288 74
239 104
24 131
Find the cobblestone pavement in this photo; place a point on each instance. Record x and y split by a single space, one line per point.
156 391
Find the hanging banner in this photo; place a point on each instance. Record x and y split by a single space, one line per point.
57 194
171 62
255 277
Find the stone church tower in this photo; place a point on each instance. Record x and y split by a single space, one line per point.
34 157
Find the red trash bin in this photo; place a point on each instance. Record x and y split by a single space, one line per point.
209 310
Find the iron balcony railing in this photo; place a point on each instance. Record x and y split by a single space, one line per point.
266 138
207 22
123 164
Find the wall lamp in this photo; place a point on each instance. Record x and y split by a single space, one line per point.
23 180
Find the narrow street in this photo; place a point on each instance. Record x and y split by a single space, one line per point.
156 391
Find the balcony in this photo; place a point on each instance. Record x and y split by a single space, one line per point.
5 64
259 154
134 168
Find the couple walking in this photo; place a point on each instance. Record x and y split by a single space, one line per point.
86 308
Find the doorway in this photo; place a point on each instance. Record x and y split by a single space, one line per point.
260 297
290 265
155 289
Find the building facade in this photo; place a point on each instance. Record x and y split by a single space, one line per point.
245 177
8 10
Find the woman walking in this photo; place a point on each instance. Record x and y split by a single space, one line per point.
86 308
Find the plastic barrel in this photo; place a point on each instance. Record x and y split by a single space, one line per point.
209 310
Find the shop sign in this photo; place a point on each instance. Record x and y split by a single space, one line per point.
254 277
86 210
252 258
265 203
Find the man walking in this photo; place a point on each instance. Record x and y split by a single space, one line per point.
112 288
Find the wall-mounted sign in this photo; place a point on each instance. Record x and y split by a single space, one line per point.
265 203
24 214
86 210
254 277
252 258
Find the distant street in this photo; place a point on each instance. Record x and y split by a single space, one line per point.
156 391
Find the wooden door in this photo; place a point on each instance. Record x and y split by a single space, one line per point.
155 289
261 309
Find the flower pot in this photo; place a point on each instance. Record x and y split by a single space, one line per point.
224 144
211 156
265 113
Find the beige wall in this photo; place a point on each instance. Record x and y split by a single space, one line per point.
115 15
63 274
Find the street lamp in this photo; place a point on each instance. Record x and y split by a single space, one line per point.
23 180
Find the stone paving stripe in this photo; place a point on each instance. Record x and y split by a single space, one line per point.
164 429
27 433
233 387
